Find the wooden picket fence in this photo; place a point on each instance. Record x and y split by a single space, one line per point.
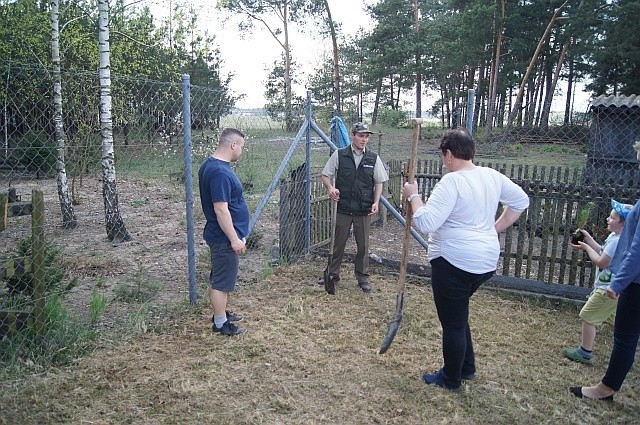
535 249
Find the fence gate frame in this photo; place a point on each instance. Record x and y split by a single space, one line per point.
305 130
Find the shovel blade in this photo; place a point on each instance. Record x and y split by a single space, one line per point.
394 325
329 284
391 333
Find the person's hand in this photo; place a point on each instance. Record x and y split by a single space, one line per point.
580 245
334 194
587 236
374 208
612 294
239 246
409 189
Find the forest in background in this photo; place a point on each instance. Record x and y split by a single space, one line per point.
512 53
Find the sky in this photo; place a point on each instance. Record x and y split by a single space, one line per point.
251 58
251 55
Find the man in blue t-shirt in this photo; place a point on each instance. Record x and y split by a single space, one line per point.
227 226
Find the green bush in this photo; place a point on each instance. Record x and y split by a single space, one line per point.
53 269
392 117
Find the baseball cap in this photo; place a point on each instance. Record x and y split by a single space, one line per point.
361 127
622 209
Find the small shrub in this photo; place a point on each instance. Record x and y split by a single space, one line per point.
139 290
53 273
36 154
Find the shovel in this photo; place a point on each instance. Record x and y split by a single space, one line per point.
329 284
395 324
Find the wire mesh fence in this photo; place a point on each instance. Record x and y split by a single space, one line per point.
92 283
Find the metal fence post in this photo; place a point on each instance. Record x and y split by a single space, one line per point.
307 212
471 104
188 185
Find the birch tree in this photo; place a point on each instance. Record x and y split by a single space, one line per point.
68 215
116 230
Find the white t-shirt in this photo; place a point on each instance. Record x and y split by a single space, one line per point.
460 217
604 276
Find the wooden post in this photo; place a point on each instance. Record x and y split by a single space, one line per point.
4 208
37 231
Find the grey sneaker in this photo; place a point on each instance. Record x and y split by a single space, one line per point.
573 354
228 329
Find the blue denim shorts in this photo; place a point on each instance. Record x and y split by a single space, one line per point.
224 267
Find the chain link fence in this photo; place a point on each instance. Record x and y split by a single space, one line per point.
62 286
87 283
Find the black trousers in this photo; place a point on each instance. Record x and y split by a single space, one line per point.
452 289
626 332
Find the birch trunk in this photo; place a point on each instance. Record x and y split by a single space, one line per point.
66 206
116 230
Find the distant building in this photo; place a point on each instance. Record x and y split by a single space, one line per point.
615 127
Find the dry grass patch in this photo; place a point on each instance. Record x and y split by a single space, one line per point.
312 358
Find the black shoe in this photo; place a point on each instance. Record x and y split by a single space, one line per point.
228 329
230 317
437 378
332 277
468 377
234 317
577 391
365 286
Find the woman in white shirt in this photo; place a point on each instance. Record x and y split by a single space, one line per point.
464 248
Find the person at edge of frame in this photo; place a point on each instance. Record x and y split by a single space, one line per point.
625 287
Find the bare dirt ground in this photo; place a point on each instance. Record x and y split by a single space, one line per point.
307 358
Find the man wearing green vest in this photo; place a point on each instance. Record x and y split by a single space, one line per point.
359 175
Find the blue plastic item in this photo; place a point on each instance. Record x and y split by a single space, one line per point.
339 133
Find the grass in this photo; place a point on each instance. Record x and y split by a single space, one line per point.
97 307
63 342
308 357
311 358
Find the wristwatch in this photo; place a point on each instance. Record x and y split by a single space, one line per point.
410 198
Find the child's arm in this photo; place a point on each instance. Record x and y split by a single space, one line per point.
600 260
